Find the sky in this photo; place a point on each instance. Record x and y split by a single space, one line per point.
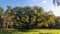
46 4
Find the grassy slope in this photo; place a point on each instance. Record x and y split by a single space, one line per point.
35 31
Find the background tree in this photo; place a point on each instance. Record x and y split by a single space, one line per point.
49 18
1 15
8 17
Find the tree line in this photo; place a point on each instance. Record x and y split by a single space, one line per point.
24 18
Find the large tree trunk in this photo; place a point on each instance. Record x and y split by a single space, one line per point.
36 22
30 21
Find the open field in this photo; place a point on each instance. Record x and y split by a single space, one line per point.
34 31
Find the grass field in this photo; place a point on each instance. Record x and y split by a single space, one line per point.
34 31
43 31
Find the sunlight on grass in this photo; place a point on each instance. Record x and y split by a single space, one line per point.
43 31
34 31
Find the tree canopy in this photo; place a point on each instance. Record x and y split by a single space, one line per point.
27 17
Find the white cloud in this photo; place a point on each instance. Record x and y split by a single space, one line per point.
44 1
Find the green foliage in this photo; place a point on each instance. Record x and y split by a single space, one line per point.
24 18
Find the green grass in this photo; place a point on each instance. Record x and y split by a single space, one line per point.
43 31
5 32
34 31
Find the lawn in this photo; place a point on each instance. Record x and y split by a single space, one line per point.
34 31
43 31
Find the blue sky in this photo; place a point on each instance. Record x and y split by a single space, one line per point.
46 4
